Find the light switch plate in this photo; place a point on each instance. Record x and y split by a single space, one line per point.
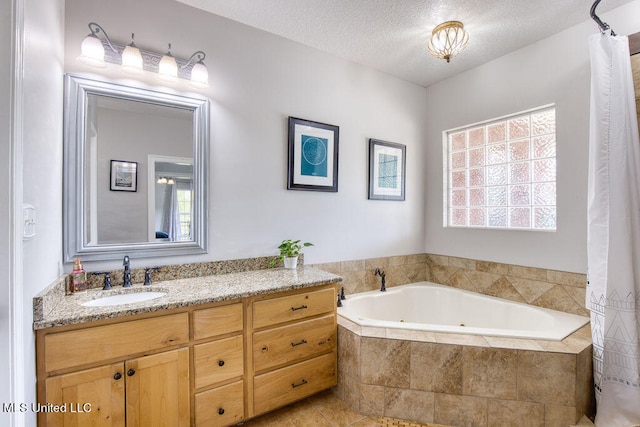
29 224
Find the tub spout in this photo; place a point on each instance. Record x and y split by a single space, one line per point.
382 277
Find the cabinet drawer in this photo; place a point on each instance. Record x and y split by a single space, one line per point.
218 361
286 344
282 386
210 322
221 406
293 307
99 343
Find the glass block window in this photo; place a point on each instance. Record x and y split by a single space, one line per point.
502 173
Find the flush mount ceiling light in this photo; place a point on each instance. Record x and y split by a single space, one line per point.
448 39
97 51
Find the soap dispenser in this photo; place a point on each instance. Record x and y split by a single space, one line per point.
78 277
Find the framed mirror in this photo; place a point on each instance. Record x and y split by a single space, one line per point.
135 171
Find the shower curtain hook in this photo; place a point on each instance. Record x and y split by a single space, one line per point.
603 25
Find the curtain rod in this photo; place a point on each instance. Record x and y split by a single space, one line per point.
603 25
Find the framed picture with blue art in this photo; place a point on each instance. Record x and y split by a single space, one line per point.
387 170
313 156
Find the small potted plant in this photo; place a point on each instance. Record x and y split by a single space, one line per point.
289 251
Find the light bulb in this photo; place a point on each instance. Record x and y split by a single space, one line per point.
132 59
199 75
168 67
92 52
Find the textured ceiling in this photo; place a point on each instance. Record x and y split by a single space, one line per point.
391 35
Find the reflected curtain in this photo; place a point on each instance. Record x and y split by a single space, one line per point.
613 248
171 213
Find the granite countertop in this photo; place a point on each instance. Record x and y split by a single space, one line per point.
67 309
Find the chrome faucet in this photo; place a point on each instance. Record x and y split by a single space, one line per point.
127 272
382 276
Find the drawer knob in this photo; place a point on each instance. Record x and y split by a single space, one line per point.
293 344
131 372
303 382
220 411
220 362
117 376
299 308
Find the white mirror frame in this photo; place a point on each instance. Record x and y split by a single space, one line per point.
77 90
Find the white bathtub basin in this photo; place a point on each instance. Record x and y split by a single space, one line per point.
128 298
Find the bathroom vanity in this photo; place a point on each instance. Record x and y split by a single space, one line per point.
212 351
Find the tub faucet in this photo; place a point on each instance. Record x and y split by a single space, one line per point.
127 272
382 276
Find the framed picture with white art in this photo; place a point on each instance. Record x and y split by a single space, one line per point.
124 175
387 170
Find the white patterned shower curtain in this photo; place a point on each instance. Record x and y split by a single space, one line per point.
613 288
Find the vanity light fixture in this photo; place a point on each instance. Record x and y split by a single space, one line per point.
165 180
96 51
448 39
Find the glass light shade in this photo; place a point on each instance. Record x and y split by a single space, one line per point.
448 39
168 68
92 52
162 180
132 60
199 75
170 181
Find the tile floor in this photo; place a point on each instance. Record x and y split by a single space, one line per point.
326 410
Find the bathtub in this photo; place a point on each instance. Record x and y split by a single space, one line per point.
427 306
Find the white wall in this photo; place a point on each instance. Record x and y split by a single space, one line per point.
257 80
555 70
41 181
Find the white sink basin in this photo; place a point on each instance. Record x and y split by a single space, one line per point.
128 298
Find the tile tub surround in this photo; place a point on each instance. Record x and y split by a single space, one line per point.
67 309
558 290
456 379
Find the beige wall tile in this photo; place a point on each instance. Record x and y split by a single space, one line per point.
546 377
411 405
461 339
348 352
513 413
489 372
481 280
460 410
565 278
530 289
330 267
442 273
578 294
385 362
395 276
528 272
436 367
461 281
558 299
348 389
585 397
371 399
513 343
492 267
353 282
438 259
559 415
502 288
373 263
465 263
353 265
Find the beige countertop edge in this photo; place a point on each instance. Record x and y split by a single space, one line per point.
182 293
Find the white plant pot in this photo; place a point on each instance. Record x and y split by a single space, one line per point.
290 262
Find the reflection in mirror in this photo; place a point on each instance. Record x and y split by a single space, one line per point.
159 209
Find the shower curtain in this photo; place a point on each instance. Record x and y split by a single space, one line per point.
613 248
171 220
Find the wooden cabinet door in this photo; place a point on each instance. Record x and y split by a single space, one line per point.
93 397
158 390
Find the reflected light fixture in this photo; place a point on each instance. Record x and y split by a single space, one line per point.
168 67
448 39
132 58
96 51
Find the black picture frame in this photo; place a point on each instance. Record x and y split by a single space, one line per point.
387 170
313 156
123 176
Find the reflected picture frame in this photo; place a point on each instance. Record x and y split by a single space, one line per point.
124 176
313 156
387 170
